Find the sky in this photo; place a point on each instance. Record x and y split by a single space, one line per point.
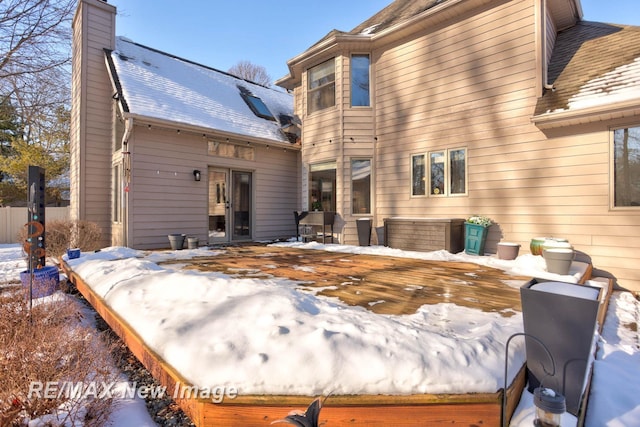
269 33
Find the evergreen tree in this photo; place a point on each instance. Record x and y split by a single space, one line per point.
9 129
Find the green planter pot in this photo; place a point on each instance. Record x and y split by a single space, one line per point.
475 237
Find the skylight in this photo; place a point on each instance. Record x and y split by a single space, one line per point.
257 106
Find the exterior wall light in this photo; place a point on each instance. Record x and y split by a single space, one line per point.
196 175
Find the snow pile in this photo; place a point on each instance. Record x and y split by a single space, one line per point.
614 395
270 337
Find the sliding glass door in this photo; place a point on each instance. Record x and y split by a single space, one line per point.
230 205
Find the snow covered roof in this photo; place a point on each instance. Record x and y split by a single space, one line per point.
594 66
161 86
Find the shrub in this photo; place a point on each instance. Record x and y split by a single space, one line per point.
62 234
49 343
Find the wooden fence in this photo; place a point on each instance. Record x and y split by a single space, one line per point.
13 219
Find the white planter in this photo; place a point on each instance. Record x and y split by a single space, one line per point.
558 260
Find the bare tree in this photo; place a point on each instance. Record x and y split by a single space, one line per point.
249 71
35 53
34 35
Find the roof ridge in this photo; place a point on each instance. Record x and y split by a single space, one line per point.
188 61
609 24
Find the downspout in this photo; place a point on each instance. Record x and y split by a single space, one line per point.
126 172
545 47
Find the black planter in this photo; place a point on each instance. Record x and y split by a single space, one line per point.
562 316
364 231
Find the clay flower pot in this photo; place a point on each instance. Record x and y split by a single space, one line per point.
508 250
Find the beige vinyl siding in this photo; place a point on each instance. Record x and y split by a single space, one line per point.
75 134
91 133
472 84
13 220
469 84
165 198
276 188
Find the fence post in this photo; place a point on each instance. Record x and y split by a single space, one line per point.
7 226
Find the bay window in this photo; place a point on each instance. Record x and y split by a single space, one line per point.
322 186
360 81
321 92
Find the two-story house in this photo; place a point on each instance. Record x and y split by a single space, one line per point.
514 109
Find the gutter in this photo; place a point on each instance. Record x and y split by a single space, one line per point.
208 132
587 115
546 57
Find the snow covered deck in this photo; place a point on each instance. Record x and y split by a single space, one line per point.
355 310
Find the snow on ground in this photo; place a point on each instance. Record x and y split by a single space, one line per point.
258 322
617 367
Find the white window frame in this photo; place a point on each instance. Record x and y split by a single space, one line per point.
424 176
360 159
446 191
310 91
612 171
368 55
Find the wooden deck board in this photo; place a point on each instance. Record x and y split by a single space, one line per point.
395 285
382 284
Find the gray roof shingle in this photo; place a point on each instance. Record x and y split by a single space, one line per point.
592 64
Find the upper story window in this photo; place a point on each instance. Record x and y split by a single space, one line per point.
321 91
360 81
626 167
